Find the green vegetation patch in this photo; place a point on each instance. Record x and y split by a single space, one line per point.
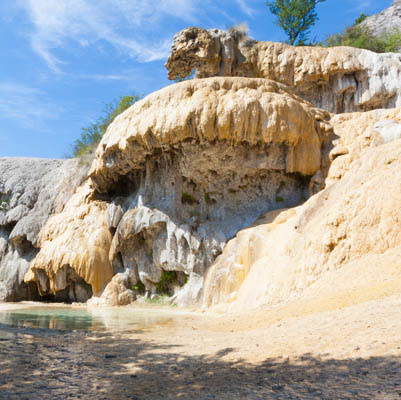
187 198
92 134
139 287
194 213
362 38
4 203
157 300
168 280
208 199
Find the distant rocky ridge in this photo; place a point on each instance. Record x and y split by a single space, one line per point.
385 22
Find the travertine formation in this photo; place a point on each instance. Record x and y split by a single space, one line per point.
175 177
30 191
179 179
338 79
73 260
354 132
349 232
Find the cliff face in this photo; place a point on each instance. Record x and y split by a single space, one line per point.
338 79
175 177
30 191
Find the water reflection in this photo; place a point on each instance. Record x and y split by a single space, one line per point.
59 318
69 318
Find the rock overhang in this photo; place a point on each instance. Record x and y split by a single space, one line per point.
233 111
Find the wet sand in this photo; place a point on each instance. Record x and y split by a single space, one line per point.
283 353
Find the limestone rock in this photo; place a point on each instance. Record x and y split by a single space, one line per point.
355 132
226 276
116 293
191 292
175 155
386 21
30 191
224 110
76 239
344 240
338 79
175 177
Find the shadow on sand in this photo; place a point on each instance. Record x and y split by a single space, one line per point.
36 364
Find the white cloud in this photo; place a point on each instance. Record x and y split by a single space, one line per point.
369 6
245 7
29 106
361 5
106 77
127 25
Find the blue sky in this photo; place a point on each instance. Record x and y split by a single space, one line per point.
63 60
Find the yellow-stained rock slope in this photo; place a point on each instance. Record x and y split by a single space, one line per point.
344 242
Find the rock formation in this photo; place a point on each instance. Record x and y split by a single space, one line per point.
385 22
30 191
345 238
175 177
337 79
179 179
73 258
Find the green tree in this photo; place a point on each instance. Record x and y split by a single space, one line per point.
295 17
92 134
361 18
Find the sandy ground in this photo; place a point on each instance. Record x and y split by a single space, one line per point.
292 352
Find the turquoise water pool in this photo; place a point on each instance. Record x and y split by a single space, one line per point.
81 318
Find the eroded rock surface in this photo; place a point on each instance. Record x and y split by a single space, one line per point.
345 238
355 132
30 191
338 79
74 250
175 177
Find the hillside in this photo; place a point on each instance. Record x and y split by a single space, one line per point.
385 22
